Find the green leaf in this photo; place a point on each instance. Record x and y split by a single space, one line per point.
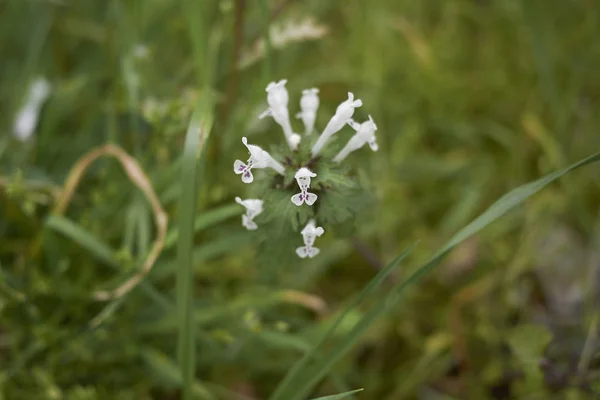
196 137
339 395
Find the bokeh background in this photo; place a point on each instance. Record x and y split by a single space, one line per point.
471 97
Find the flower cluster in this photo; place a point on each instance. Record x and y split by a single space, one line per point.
300 164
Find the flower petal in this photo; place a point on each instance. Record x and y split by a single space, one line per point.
298 199
239 167
311 198
247 176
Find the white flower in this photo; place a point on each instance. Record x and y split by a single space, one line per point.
342 116
309 234
303 178
27 118
253 208
278 99
309 104
258 159
365 133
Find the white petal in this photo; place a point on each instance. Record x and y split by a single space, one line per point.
298 199
311 198
239 167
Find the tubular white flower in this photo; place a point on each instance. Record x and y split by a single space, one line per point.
258 159
27 118
303 178
365 133
278 98
342 116
309 104
253 208
309 234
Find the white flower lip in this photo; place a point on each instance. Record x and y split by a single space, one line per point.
304 172
253 207
303 176
278 91
258 159
309 234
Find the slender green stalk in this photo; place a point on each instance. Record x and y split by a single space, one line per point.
267 68
195 13
197 134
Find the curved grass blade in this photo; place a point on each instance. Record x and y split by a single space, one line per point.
303 376
197 134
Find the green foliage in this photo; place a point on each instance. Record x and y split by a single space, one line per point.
471 99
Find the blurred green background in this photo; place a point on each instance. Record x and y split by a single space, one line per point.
471 97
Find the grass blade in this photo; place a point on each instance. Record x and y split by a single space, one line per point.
82 237
339 395
280 392
164 367
303 377
511 200
197 134
267 68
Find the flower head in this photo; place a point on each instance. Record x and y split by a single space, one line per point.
258 159
365 133
303 178
309 234
340 193
253 208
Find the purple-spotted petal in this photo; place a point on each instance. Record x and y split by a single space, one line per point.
239 167
298 199
247 177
